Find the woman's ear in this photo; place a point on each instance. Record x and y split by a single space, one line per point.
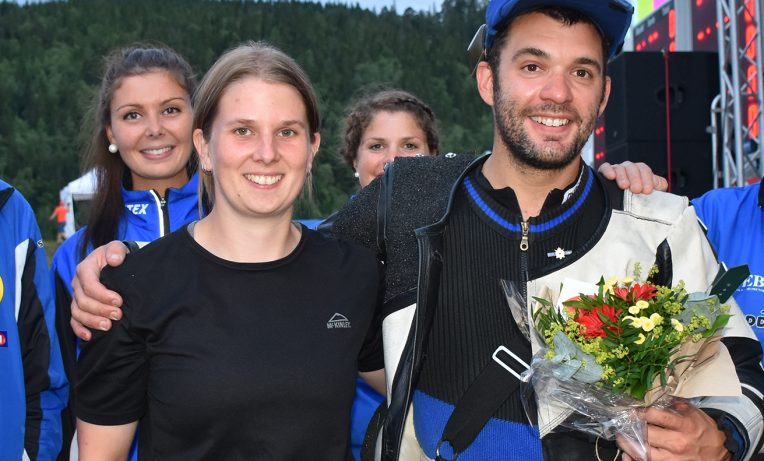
314 145
110 135
202 149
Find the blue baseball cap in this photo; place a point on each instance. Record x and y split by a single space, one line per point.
612 17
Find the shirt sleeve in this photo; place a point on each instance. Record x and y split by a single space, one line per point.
68 344
357 220
371 357
112 369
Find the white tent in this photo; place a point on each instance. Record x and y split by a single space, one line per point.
81 189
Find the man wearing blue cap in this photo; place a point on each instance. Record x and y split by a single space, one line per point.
531 213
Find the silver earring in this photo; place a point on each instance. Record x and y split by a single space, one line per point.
113 148
355 174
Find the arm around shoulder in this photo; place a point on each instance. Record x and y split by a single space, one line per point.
357 220
93 305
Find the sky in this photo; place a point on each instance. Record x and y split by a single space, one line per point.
400 5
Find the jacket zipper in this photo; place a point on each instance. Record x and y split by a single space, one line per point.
165 212
524 240
162 215
525 227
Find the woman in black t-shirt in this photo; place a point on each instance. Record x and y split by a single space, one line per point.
242 333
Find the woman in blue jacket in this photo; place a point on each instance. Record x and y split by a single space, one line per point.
141 150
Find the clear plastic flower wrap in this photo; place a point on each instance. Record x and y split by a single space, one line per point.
608 351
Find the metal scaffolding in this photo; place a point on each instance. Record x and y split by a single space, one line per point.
737 112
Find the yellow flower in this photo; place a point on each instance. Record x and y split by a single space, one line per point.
627 280
641 339
647 323
656 318
635 322
609 284
677 325
634 310
642 304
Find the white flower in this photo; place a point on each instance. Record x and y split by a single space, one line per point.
656 318
635 322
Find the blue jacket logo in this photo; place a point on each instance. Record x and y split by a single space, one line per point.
138 208
754 281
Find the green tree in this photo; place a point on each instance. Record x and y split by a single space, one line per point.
51 63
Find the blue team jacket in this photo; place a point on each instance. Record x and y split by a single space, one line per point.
734 218
33 386
145 219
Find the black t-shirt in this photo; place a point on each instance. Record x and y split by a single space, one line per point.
224 360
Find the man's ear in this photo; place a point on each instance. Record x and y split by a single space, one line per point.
484 77
605 96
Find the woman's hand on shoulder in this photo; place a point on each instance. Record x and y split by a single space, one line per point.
637 177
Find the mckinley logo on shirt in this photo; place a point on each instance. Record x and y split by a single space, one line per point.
338 321
138 208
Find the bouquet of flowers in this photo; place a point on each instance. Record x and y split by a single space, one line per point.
619 345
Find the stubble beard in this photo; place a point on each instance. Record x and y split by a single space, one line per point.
509 119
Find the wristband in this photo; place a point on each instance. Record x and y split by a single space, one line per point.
733 440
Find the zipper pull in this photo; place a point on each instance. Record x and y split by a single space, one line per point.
524 241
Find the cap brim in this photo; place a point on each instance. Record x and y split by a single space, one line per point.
612 17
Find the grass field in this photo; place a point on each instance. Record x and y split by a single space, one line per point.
50 247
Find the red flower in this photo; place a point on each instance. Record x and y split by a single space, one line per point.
622 293
591 323
644 291
635 293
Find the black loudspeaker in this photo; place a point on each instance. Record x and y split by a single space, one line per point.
636 110
635 118
691 172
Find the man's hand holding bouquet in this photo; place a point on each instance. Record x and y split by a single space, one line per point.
616 351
